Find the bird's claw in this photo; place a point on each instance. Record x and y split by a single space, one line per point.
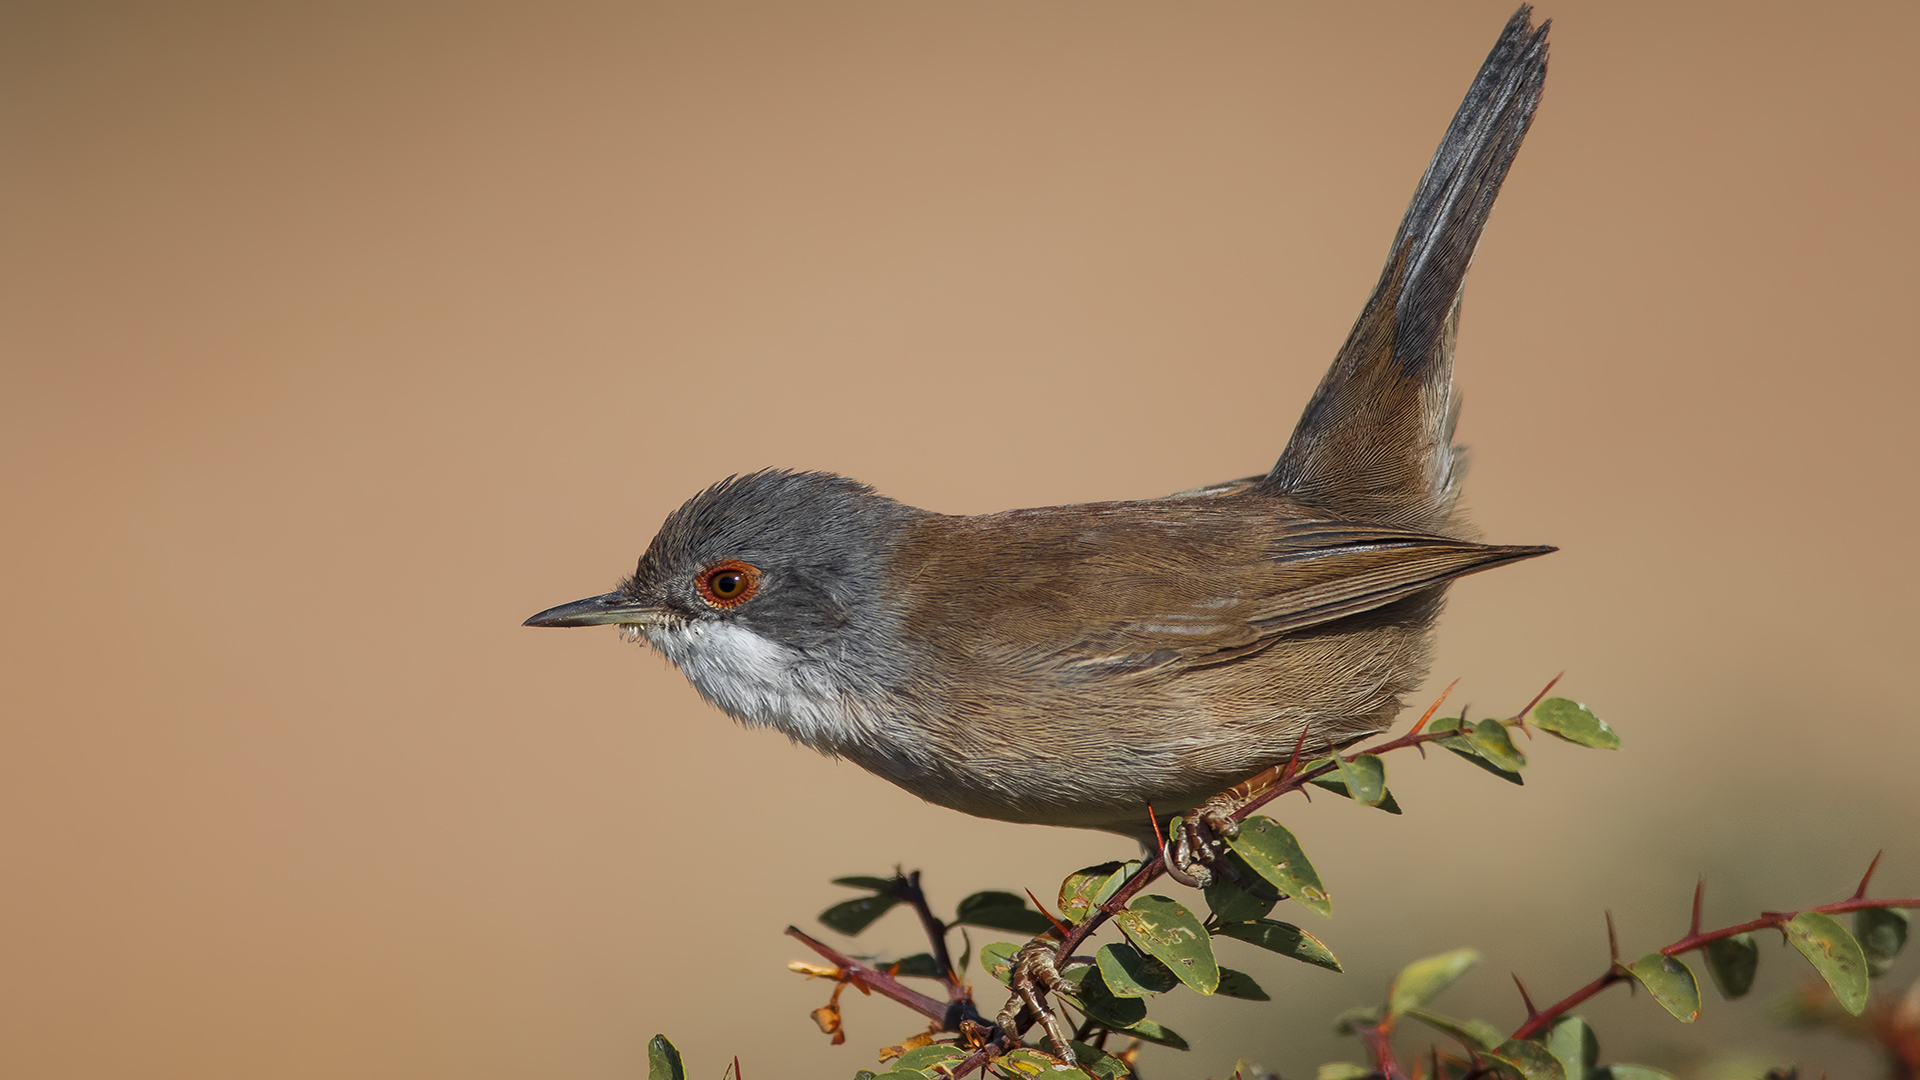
1034 974
1199 841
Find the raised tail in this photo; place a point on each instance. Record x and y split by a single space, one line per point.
1376 441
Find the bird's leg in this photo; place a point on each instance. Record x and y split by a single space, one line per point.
1204 830
1198 842
1033 975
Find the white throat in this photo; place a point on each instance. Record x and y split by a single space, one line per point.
762 683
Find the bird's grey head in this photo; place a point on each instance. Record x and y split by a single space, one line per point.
794 557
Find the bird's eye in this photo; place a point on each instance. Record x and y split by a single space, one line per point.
728 584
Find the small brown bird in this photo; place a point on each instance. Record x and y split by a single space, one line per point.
1075 665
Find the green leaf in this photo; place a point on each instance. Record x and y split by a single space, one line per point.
1671 983
1575 723
1573 1044
1159 1034
920 965
1274 854
1102 1065
1239 984
996 960
1423 980
1129 974
1365 777
1160 927
1530 1059
995 910
1283 938
1026 1061
663 1061
1477 1033
1232 902
1387 802
866 881
1882 933
1495 743
1091 996
1080 891
852 916
1628 1072
1342 1070
1464 746
922 1058
1732 963
1834 954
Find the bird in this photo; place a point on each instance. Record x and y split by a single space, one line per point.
1107 665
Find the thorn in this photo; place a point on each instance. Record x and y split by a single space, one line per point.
1544 691
1613 940
1861 892
1153 819
1057 924
1433 708
1531 1011
1293 763
736 1068
1699 888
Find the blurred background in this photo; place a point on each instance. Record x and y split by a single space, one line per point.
339 338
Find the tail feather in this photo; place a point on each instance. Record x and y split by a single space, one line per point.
1375 442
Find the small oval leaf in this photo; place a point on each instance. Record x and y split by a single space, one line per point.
1283 938
1671 983
1530 1060
1102 1065
1129 974
1239 984
866 881
852 916
1092 997
922 1058
996 959
1834 954
1231 901
1160 927
1423 980
1882 933
1574 1045
1575 723
1274 854
1079 890
1732 962
1365 777
1491 739
663 1060
996 910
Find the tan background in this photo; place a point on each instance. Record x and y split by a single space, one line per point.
338 339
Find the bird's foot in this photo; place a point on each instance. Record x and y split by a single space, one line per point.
1034 974
1200 840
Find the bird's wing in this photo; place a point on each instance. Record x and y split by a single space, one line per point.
1305 575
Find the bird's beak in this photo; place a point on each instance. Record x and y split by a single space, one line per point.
613 607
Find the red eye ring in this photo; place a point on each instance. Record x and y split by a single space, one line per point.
728 583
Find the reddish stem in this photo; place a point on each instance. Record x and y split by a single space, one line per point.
1697 940
866 978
